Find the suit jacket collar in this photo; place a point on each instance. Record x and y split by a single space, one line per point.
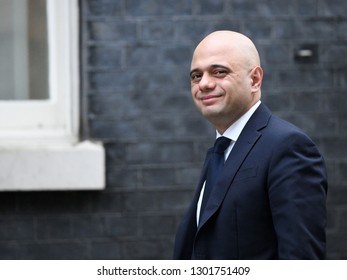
247 139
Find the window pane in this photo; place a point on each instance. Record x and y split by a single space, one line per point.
23 50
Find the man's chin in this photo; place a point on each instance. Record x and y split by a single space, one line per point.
210 112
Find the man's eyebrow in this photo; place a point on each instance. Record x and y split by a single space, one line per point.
193 70
213 66
219 66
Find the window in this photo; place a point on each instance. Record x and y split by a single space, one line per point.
23 50
39 98
46 111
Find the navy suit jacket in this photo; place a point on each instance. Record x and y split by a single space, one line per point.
269 202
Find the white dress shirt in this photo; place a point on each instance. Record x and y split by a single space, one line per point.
233 133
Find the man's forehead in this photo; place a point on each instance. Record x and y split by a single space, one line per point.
231 57
213 48
213 60
214 52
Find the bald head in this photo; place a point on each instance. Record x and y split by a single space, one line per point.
237 44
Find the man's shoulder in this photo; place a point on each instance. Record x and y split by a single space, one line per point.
279 128
283 131
275 120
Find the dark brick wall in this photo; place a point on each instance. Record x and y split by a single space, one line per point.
135 57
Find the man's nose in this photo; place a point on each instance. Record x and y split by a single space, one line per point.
206 83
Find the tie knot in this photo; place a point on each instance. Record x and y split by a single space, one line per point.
221 144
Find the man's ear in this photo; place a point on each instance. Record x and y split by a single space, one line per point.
257 77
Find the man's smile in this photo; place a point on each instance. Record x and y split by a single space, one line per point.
209 99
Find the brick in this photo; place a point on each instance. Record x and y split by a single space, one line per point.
176 202
188 175
341 77
305 78
306 101
123 226
106 57
342 129
332 221
278 102
337 243
105 8
336 256
264 8
334 8
128 105
318 30
106 81
54 228
123 80
158 177
333 103
210 7
148 249
277 54
258 32
158 55
342 171
315 125
191 124
157 201
307 8
334 52
334 148
17 229
202 146
160 153
194 31
142 202
108 129
105 250
73 250
9 250
157 30
7 203
342 219
86 226
158 7
122 177
156 226
107 202
337 195
177 55
120 31
115 153
340 30
116 105
42 203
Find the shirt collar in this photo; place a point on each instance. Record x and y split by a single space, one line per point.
234 131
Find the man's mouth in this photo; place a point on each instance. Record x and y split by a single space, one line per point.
207 97
210 98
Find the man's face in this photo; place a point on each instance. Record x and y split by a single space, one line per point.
221 83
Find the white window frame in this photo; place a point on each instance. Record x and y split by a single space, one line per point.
55 118
39 145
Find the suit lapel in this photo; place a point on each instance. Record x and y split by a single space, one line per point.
247 139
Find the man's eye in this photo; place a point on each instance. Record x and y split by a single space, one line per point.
220 72
195 77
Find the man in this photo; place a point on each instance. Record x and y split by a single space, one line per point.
269 200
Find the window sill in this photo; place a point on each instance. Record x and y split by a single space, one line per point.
65 166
